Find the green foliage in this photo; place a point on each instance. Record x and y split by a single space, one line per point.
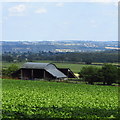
118 76
110 73
8 71
87 57
90 74
88 60
24 99
107 74
8 58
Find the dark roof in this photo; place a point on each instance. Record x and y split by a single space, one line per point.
32 65
51 68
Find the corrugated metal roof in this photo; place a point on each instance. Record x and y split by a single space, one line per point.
32 65
54 71
51 68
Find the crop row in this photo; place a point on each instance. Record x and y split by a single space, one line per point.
37 99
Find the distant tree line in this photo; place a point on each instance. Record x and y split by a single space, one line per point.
87 57
108 74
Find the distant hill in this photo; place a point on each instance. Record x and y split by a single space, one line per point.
58 46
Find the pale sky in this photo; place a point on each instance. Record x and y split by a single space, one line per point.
60 20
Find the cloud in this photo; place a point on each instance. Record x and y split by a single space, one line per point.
18 10
41 11
60 4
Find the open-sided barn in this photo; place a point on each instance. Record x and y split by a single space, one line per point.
32 71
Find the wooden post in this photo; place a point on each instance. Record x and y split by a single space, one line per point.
44 74
21 75
68 73
32 74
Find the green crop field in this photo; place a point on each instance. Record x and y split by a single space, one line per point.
25 99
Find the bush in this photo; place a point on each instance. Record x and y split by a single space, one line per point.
8 71
89 74
110 73
118 76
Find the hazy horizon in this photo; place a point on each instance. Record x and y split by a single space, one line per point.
57 40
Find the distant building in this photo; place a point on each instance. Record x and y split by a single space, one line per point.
31 71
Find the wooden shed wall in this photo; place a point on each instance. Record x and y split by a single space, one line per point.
29 74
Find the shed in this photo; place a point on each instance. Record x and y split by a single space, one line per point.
32 71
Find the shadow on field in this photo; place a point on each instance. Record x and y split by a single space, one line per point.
55 113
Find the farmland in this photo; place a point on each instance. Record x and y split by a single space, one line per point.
42 99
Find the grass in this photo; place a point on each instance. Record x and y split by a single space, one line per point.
74 67
7 64
25 99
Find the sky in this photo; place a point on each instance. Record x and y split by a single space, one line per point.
33 21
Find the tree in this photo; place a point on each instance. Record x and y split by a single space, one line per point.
7 58
88 60
89 74
118 76
7 72
110 73
107 74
